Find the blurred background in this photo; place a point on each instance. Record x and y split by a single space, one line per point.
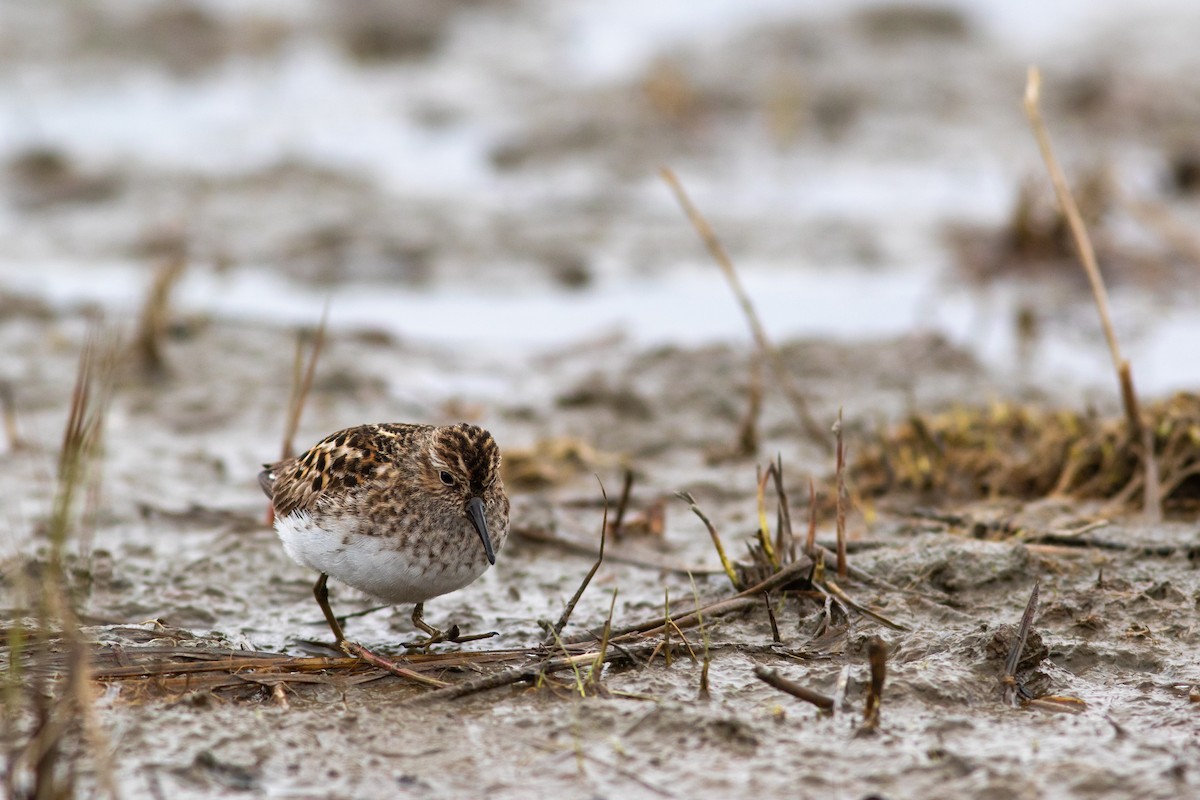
482 174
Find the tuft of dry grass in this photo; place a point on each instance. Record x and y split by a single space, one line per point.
1027 452
50 725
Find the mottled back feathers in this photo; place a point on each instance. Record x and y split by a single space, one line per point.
390 457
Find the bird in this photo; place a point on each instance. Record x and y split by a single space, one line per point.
403 512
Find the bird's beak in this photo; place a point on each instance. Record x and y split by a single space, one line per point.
476 515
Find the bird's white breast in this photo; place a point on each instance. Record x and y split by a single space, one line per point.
373 563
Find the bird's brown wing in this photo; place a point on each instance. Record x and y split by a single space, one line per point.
338 464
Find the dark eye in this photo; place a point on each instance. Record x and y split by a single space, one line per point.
446 477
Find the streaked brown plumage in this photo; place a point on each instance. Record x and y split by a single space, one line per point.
402 512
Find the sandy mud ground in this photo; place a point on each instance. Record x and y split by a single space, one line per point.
472 188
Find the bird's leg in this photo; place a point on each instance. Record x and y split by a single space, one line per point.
321 592
435 636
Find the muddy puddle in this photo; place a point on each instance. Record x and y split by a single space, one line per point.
471 189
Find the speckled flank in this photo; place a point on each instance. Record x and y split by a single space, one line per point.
383 507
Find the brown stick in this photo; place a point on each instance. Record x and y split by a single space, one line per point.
357 650
774 679
717 251
622 504
877 654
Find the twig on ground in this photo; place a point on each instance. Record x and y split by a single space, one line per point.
774 679
358 651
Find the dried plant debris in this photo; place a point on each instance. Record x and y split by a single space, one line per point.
1026 452
551 462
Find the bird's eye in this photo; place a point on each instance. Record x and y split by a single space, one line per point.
447 478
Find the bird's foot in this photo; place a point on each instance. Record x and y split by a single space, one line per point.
434 636
452 635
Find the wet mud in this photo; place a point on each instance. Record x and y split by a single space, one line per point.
557 199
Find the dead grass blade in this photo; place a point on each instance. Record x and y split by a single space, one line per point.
726 564
594 675
622 504
786 537
8 408
66 731
704 693
840 469
557 629
302 384
807 423
1087 256
1013 691
764 528
155 317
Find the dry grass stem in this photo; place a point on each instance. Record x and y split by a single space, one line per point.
8 408
808 424
704 693
302 384
746 444
1087 255
48 674
764 528
155 317
771 618
785 542
1013 692
557 628
597 670
726 564
877 653
810 542
623 503
840 450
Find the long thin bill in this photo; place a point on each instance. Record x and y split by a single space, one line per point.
476 515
